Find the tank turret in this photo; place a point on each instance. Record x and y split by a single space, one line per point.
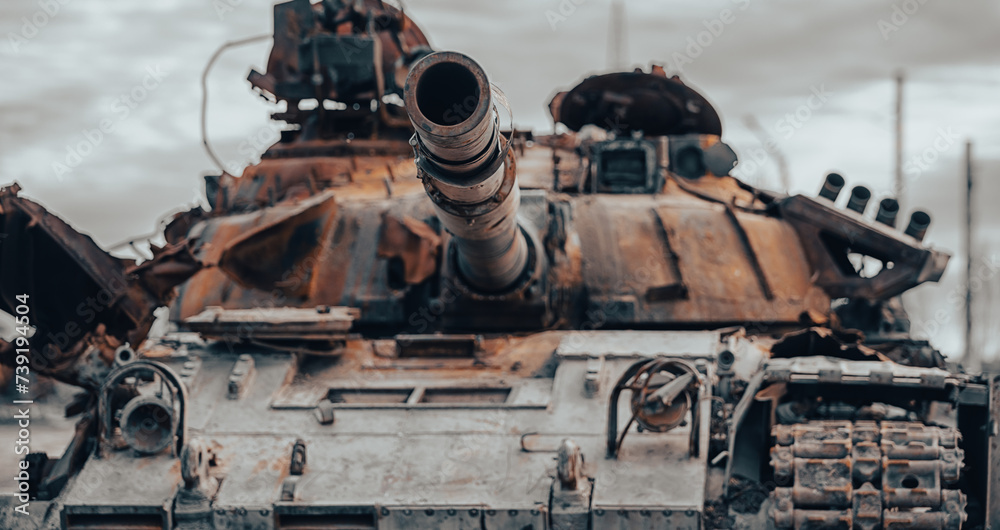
467 167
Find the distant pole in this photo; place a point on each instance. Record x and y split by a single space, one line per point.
898 181
616 37
969 356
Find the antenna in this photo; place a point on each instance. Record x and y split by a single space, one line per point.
616 37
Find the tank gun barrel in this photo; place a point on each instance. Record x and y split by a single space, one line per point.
467 170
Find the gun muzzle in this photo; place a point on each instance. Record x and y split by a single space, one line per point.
859 199
832 186
919 222
887 210
467 170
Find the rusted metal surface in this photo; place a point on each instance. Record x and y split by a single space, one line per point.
636 101
277 323
630 258
241 377
85 303
291 172
144 406
571 491
824 342
828 237
342 51
662 393
258 257
414 242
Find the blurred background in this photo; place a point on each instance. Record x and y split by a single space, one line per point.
100 103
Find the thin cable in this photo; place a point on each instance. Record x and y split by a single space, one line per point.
204 92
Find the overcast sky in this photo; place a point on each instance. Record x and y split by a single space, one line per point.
816 75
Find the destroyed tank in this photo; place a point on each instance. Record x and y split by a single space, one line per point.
409 314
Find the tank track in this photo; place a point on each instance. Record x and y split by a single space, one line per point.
867 475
